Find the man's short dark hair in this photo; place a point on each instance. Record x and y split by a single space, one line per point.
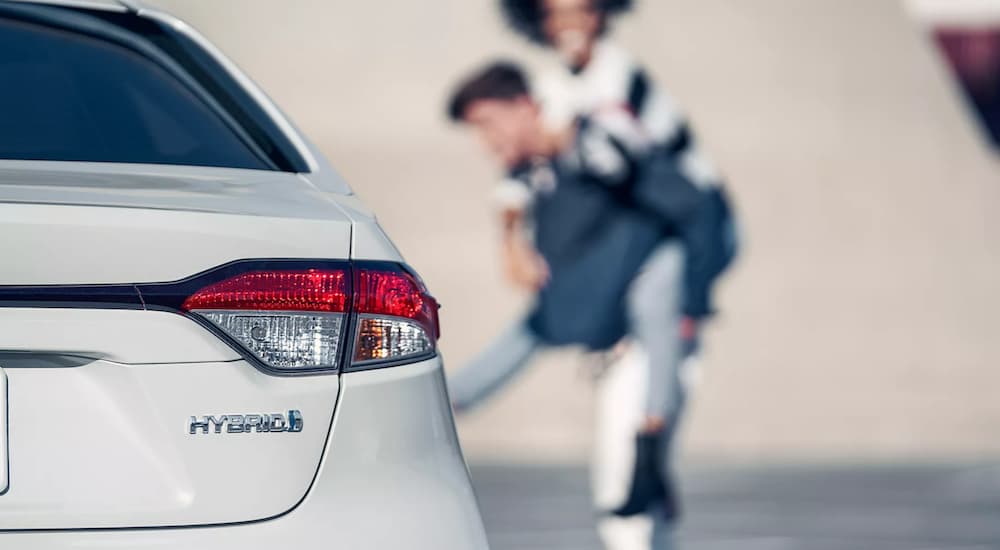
501 80
526 16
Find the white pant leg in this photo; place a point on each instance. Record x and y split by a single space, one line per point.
646 532
620 409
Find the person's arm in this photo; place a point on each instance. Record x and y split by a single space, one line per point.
710 238
523 265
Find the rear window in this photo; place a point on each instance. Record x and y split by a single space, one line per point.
66 96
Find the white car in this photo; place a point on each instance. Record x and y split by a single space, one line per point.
206 340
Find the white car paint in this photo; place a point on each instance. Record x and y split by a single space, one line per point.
105 445
128 337
91 223
392 477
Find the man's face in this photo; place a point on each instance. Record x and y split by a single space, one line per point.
507 127
572 26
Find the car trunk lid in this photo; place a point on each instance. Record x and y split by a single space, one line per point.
99 399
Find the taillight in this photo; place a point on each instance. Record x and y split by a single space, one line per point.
301 290
290 320
299 320
397 318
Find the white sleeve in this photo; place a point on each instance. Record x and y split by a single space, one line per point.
610 143
661 116
512 194
556 93
622 126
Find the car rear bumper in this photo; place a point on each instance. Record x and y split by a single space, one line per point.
392 477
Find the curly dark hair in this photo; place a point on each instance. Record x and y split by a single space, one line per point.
525 16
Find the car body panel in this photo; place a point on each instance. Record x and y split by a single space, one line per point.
131 337
166 187
79 223
67 245
106 445
392 477
103 443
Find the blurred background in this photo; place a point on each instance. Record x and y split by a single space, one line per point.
858 328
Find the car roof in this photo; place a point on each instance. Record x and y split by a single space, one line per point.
115 5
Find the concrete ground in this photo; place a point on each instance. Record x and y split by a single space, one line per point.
887 507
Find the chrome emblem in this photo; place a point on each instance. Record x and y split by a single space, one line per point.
246 423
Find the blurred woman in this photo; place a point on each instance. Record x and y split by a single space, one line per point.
598 75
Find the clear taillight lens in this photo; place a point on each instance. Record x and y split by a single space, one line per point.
285 340
289 320
297 320
390 340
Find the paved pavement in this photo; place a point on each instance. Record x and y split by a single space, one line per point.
763 508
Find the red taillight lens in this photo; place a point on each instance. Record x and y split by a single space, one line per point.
297 319
397 317
396 294
305 290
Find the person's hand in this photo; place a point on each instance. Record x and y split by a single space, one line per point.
526 268
689 336
653 425
689 329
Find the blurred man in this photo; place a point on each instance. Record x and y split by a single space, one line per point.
610 221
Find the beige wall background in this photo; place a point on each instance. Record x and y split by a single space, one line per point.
861 323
